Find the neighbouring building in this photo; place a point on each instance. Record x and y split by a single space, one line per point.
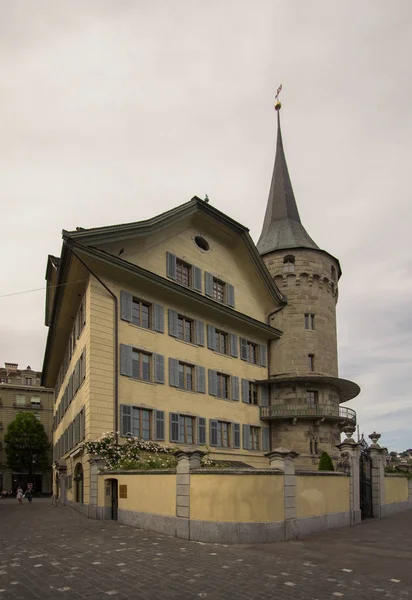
21 390
180 329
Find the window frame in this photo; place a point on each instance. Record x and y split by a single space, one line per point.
183 419
309 321
222 336
142 303
219 289
315 397
227 425
226 378
289 264
140 410
311 362
188 369
185 321
253 393
255 436
180 266
141 363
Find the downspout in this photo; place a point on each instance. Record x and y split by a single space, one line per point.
269 359
116 341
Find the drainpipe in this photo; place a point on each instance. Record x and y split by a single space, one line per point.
269 359
116 341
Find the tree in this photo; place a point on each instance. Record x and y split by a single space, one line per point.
27 446
325 462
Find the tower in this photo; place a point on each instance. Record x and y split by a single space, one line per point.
306 392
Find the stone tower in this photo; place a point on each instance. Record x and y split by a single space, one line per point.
305 390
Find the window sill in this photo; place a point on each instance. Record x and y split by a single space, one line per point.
141 380
187 343
149 329
185 390
223 354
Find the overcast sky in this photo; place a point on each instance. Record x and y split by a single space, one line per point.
115 110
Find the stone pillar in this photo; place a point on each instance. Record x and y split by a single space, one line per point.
61 490
410 490
350 452
378 457
282 459
96 465
187 460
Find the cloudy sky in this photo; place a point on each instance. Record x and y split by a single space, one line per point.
113 111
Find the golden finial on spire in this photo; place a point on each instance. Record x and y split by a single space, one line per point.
278 104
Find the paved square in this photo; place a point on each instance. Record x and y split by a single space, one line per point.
49 552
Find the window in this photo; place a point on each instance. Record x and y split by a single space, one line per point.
222 385
202 243
311 362
141 423
28 381
289 264
37 416
185 329
218 290
35 402
141 313
333 273
252 352
186 429
3 379
183 273
186 376
20 401
255 438
221 342
313 447
223 434
253 393
141 367
312 397
309 321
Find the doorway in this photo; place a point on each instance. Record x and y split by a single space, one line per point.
115 499
78 480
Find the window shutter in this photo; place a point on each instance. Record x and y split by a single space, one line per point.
173 322
201 431
213 433
126 300
246 437
243 349
236 435
235 388
84 364
160 425
230 295
171 265
264 395
173 372
159 364
174 427
158 318
125 419
81 367
82 424
200 333
233 345
263 355
125 360
71 388
201 379
212 382
211 337
197 279
245 391
209 284
181 429
265 439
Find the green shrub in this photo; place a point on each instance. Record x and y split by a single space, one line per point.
325 463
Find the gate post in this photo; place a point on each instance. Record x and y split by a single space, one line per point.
378 457
282 459
350 452
187 460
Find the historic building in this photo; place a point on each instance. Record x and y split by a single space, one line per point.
180 329
21 390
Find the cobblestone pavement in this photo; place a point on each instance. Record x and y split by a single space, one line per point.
49 552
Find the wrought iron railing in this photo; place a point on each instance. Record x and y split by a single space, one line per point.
279 411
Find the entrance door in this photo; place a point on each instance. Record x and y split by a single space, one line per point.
365 485
78 478
115 499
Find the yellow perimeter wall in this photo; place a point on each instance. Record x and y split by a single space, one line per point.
236 498
154 494
320 495
396 489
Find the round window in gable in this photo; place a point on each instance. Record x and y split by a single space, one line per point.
202 243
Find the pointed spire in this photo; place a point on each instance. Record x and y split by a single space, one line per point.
282 227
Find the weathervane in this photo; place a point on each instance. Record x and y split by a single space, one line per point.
278 105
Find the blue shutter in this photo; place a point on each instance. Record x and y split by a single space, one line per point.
212 382
171 265
174 427
158 318
233 345
197 279
159 365
201 431
246 437
263 355
201 379
245 391
173 372
181 429
265 439
125 420
236 435
264 395
209 284
213 433
230 295
173 322
235 388
243 349
211 337
126 300
159 424
200 333
125 360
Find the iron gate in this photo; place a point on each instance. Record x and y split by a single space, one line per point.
365 483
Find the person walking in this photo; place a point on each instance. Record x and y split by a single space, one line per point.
29 492
19 495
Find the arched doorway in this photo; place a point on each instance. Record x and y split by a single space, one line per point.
78 479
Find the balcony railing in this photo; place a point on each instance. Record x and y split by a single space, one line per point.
28 406
284 411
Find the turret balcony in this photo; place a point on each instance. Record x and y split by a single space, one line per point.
304 411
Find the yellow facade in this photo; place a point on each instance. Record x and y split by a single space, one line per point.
316 495
236 498
396 489
155 494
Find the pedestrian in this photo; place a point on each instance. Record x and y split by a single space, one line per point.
19 495
29 492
